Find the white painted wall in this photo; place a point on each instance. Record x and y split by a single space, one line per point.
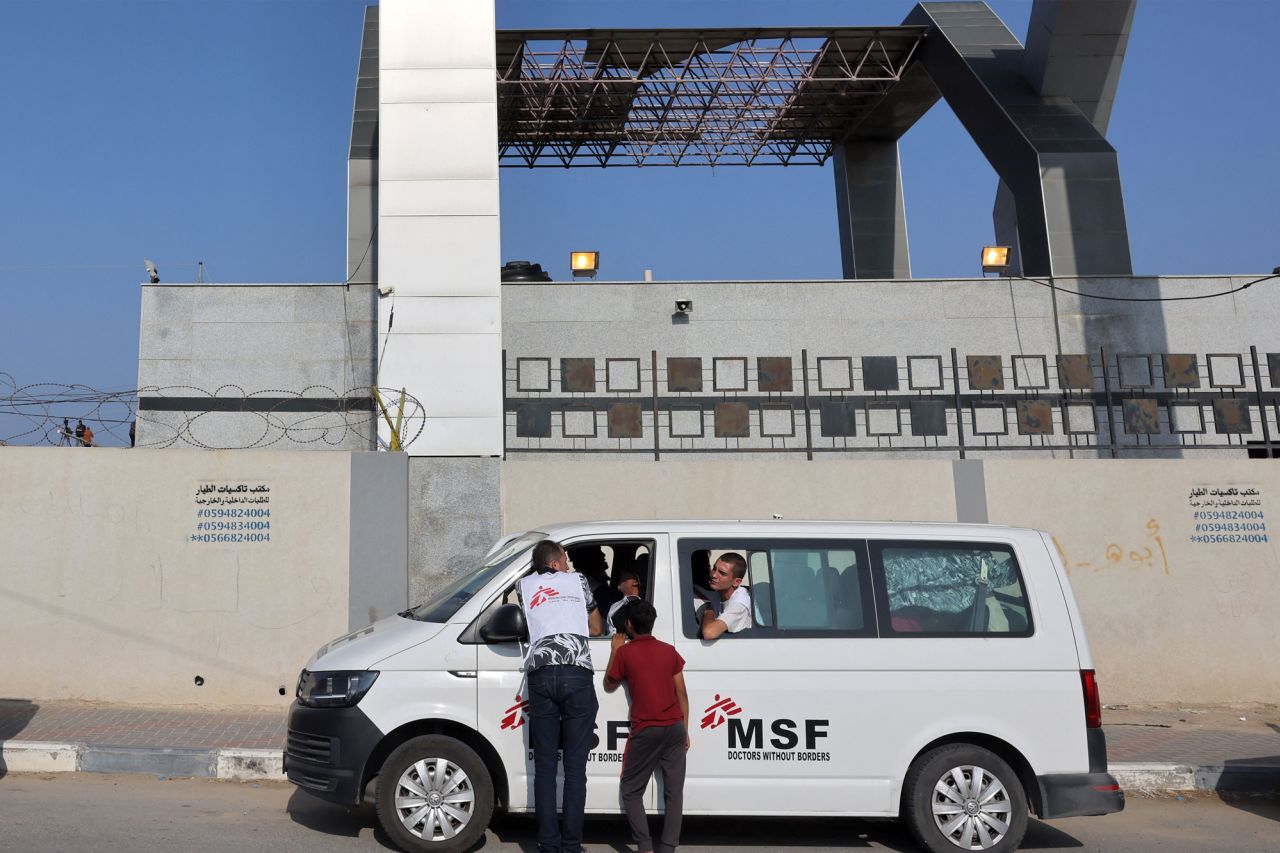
1169 619
103 595
438 230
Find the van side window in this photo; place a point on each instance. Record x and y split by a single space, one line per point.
950 589
797 587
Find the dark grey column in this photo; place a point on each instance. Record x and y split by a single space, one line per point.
1062 173
870 208
362 161
379 567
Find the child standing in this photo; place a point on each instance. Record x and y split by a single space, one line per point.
653 673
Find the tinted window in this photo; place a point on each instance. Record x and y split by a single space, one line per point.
951 589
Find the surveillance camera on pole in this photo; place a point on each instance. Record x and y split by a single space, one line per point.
152 272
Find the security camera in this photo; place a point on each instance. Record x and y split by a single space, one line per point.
684 306
386 290
152 273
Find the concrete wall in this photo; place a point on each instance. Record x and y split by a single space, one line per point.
606 335
1169 619
287 352
107 591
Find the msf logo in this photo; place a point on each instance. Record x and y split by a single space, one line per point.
544 594
515 715
718 712
751 733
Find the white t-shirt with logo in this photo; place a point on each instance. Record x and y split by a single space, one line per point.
555 606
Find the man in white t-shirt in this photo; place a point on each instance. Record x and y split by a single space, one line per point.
732 612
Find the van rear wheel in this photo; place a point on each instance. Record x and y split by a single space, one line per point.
964 797
434 793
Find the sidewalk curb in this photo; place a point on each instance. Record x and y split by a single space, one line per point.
233 763
1228 778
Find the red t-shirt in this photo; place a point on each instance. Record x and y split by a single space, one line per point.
649 668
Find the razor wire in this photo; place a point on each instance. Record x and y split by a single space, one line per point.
41 413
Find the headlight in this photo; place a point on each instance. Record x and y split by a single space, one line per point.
334 689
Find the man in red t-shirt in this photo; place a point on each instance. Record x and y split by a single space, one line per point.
653 672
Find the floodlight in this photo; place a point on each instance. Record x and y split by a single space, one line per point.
995 258
584 264
152 272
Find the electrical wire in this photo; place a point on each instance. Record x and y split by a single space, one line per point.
1061 289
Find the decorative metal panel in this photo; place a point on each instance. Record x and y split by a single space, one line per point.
880 372
533 420
1231 416
684 374
1075 372
625 421
837 418
986 372
733 420
928 417
1141 417
1181 371
578 375
773 373
1035 417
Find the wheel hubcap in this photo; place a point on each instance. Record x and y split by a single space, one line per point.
435 799
971 808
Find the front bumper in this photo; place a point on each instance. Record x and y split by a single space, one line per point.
327 750
1078 794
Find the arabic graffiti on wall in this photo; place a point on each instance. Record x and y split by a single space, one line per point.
1227 515
1149 553
232 513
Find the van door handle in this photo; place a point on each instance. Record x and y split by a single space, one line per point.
463 673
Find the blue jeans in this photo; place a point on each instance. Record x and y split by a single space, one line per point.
562 716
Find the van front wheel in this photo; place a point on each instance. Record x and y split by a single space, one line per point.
434 793
964 797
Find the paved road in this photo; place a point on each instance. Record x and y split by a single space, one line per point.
80 811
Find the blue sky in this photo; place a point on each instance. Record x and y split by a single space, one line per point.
218 131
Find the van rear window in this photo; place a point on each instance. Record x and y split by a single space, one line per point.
949 589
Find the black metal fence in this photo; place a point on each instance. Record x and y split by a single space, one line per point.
1105 403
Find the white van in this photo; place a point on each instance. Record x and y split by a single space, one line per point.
937 673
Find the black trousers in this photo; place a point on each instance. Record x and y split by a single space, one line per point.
657 747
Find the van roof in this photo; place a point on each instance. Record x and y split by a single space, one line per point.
783 526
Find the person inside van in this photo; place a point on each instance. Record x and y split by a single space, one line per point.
729 610
629 586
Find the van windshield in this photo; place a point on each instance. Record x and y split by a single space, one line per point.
444 604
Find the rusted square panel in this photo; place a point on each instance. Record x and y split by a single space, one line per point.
684 374
880 372
1181 371
1231 417
533 420
733 420
624 421
928 417
1035 417
1141 417
1074 372
986 372
774 373
837 418
578 375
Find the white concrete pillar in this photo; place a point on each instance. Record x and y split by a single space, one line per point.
438 237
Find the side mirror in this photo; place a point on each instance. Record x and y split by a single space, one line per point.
506 625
